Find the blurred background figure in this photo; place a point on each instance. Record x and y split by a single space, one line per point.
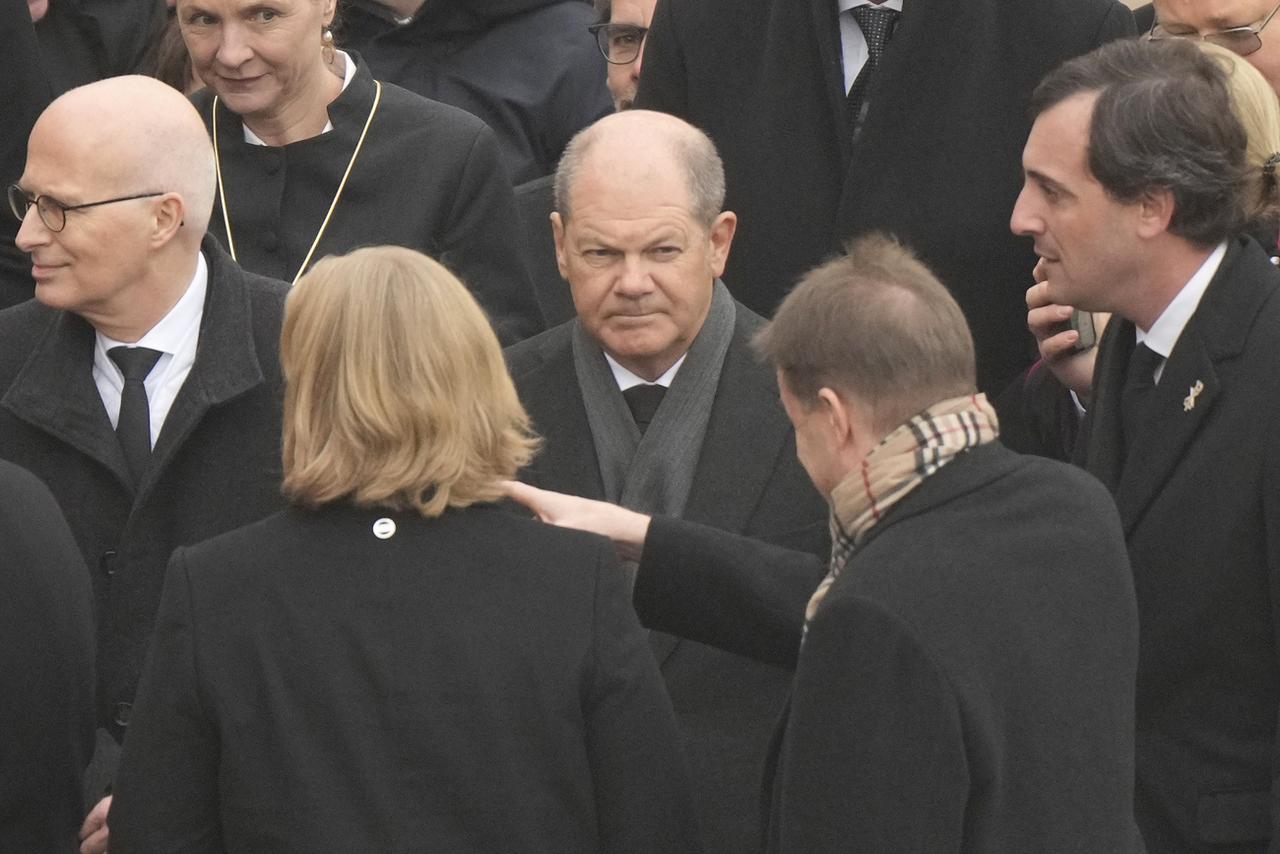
528 68
23 97
86 40
619 34
394 663
316 157
839 117
46 670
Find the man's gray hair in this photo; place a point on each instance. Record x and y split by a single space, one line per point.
692 150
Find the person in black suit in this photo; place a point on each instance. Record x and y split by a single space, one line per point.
394 663
114 203
1242 26
46 670
964 665
935 158
652 397
1137 182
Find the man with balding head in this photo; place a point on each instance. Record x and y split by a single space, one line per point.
964 662
652 398
142 382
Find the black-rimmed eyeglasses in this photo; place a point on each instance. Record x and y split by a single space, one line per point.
619 43
53 213
1240 40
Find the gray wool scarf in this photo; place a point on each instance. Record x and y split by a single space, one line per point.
653 473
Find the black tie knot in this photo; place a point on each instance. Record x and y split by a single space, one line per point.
876 24
134 362
643 400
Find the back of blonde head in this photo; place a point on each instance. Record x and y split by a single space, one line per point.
1258 110
397 395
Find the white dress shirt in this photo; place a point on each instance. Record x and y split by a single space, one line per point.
626 379
853 45
1164 333
175 336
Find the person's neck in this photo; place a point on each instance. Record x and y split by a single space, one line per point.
1161 279
304 116
149 301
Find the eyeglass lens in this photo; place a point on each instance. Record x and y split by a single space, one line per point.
620 44
51 213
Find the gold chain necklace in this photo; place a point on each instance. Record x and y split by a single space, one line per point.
222 196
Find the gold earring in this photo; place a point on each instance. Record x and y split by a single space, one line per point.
326 45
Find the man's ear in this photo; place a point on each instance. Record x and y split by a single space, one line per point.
835 416
1155 211
557 231
721 237
168 216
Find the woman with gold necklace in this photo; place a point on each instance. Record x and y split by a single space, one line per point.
315 157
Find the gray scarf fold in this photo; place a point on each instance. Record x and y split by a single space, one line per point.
653 473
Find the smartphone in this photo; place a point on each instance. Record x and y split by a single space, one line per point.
1082 322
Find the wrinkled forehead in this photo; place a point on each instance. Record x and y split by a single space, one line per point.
1212 15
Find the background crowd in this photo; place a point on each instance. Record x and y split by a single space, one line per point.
908 365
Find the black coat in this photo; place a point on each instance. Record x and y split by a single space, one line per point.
966 685
938 159
216 463
747 481
46 670
1200 504
474 683
528 68
427 177
87 40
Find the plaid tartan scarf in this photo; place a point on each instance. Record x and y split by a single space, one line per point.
893 468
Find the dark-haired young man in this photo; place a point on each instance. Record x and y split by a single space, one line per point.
1135 178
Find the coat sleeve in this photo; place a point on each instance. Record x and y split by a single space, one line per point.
166 795
642 791
725 590
1271 512
664 84
482 241
874 753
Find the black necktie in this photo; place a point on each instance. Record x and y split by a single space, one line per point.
644 400
877 26
1139 382
133 428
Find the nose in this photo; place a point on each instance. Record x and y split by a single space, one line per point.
233 47
639 60
1025 221
633 279
33 232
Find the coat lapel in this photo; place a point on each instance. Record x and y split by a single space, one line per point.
824 16
1179 407
1191 382
566 462
226 364
744 436
1104 440
63 360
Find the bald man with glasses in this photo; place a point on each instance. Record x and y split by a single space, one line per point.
142 383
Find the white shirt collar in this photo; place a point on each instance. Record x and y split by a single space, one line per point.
348 74
626 379
846 5
1164 333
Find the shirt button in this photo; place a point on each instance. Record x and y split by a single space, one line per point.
123 710
107 563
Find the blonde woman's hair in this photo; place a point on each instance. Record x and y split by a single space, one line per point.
396 392
1258 110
